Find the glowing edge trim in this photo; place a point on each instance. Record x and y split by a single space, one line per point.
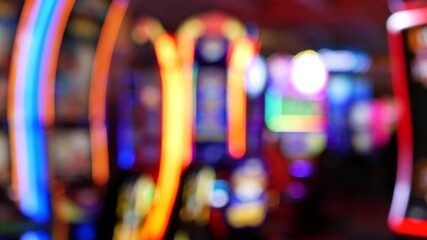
237 122
98 90
241 55
172 146
48 77
395 25
29 166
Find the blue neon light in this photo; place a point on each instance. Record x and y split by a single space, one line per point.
125 129
40 235
36 202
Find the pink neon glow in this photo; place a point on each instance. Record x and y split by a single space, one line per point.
50 60
16 100
309 74
279 71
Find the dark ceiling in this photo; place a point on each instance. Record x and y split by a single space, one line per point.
290 26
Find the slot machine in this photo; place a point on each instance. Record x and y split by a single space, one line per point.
296 134
407 30
345 89
295 115
219 55
76 171
146 137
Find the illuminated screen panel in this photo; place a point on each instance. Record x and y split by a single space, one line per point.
293 115
416 59
211 90
211 105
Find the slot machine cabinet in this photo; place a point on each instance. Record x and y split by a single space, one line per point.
136 91
295 116
217 53
76 184
407 30
147 151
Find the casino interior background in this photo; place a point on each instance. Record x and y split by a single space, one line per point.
198 119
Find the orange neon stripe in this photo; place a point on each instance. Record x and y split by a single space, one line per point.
186 46
172 151
98 90
48 116
243 52
20 33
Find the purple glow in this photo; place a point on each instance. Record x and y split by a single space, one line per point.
296 190
301 168
279 70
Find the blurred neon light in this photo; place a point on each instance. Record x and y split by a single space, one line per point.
279 119
98 90
211 24
172 146
34 236
251 214
308 73
219 196
279 72
397 220
15 109
345 60
27 140
296 123
47 78
242 53
297 190
256 76
339 90
186 44
301 168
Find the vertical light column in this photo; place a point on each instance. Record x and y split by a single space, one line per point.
36 29
172 146
98 90
242 54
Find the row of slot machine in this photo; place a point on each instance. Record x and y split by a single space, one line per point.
113 128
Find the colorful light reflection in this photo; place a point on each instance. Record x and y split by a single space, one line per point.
37 28
256 77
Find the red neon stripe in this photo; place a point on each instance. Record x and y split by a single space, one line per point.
396 24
